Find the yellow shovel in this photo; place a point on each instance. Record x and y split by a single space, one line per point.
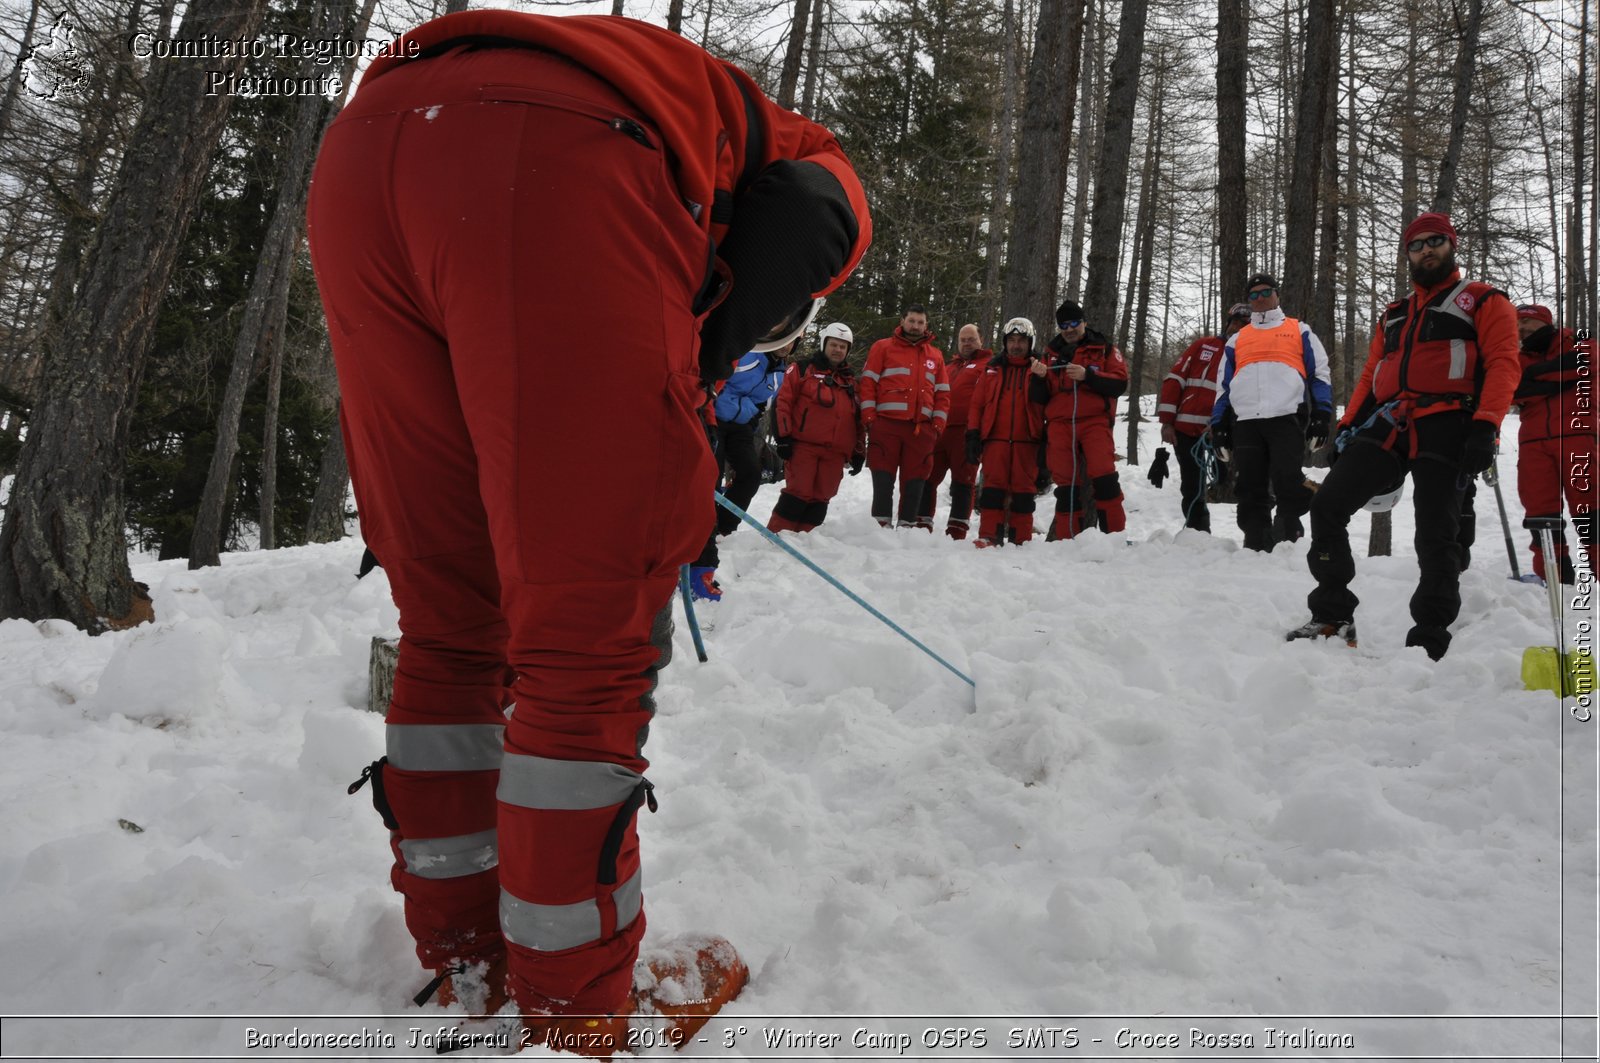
1548 667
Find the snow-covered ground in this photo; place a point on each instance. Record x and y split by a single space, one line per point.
1151 806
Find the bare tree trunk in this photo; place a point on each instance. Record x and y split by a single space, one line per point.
8 103
1138 354
1233 195
1320 309
325 521
1581 298
452 6
616 7
1111 178
994 247
273 336
789 79
1466 62
1321 37
1352 349
1034 256
63 547
1408 144
814 63
269 289
675 16
1089 103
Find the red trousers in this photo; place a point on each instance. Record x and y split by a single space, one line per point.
810 480
470 221
949 456
1083 457
1010 478
1549 469
900 446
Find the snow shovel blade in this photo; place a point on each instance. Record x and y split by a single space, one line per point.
1565 675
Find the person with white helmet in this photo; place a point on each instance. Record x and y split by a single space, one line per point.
819 432
1004 425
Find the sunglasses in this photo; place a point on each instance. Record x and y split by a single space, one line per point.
1068 325
1257 296
1420 242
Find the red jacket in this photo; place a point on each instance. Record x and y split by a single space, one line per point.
817 404
905 381
1552 365
1441 348
1002 407
1189 392
1096 395
963 374
700 104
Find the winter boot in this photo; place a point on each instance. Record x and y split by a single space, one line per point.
989 525
703 584
1325 629
1021 527
1068 525
480 988
956 529
677 988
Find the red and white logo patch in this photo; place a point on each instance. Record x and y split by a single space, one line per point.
1466 302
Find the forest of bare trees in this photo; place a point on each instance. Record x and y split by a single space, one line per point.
165 379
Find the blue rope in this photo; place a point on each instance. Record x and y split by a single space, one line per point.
846 591
688 611
1205 456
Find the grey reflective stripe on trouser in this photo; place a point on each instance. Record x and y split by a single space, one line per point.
444 747
540 782
897 407
552 927
464 854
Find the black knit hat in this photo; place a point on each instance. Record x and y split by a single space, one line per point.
1068 311
1259 279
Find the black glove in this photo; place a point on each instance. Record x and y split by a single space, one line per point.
856 461
974 446
1222 435
1478 453
784 445
1317 429
1158 468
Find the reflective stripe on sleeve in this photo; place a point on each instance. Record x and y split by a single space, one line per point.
444 747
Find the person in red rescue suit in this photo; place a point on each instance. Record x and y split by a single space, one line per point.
1004 426
950 453
1438 379
1556 442
1085 375
905 402
501 182
1188 396
819 432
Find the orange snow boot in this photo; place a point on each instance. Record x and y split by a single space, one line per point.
480 987
677 987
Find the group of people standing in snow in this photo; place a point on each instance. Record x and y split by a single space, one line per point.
1443 368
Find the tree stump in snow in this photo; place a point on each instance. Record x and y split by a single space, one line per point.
380 670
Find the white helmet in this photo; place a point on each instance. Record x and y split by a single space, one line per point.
837 331
1019 326
786 333
1386 501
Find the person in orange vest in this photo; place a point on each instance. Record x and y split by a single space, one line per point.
905 403
1184 407
1556 440
500 182
1084 376
1440 373
1004 427
819 432
950 454
1275 399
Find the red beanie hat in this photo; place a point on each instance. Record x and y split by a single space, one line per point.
1431 222
1537 312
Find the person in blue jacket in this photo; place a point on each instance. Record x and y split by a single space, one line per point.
738 409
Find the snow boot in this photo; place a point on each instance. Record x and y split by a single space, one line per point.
480 988
956 529
1325 629
677 988
703 584
1021 527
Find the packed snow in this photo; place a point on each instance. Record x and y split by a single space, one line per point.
1151 815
